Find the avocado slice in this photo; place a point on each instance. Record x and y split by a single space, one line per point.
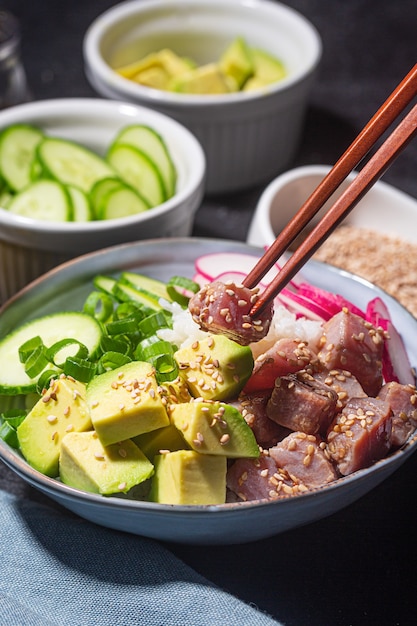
215 368
157 68
189 478
267 69
88 465
206 79
61 409
125 402
237 61
167 439
215 428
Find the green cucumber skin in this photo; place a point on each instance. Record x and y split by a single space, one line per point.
151 143
18 144
122 202
138 171
51 328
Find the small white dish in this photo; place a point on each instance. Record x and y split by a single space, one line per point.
68 286
30 247
384 208
248 137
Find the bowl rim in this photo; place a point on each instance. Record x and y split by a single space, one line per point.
56 108
97 70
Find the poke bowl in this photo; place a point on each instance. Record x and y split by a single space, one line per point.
34 235
234 520
248 136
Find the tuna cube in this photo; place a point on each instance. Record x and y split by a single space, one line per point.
350 343
360 435
305 457
344 383
261 479
403 402
253 409
301 403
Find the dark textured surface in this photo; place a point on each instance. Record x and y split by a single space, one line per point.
357 567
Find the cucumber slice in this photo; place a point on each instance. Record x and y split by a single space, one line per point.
127 293
81 207
121 202
72 164
100 189
51 328
45 200
136 169
18 145
105 284
151 286
152 144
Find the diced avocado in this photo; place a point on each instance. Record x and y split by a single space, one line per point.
61 409
164 439
175 392
88 465
206 79
215 368
215 428
237 62
125 402
155 77
268 69
187 477
156 69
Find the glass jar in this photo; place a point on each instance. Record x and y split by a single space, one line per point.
13 83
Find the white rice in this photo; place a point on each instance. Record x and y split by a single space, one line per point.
284 324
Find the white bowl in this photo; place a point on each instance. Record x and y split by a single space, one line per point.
248 137
30 247
68 286
384 208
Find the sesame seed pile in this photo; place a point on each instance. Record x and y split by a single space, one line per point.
388 262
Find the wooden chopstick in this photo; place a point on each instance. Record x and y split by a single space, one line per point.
370 173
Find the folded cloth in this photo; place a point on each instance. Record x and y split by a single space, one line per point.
59 570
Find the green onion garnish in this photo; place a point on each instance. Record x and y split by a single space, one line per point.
99 305
80 369
62 346
185 285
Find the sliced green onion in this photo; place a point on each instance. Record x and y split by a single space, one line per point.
36 361
9 435
127 309
28 347
166 368
99 305
62 346
80 369
141 346
157 349
14 417
152 323
185 285
124 326
45 378
119 343
111 360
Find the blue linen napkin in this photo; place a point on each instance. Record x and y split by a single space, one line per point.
60 570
